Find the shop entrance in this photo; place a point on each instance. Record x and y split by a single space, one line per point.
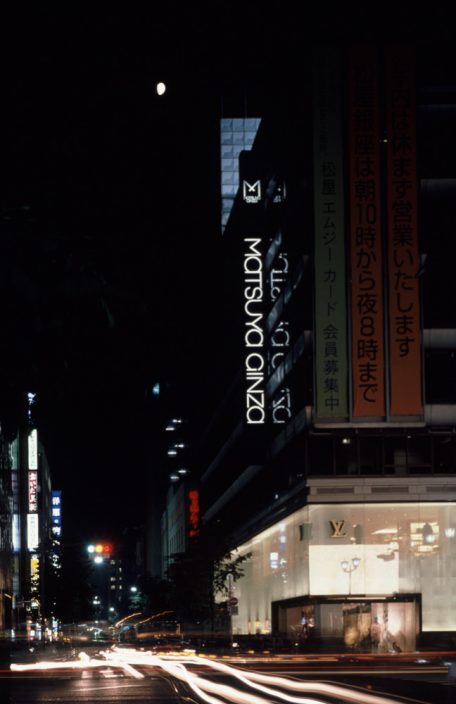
365 625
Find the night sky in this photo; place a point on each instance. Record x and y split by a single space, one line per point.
109 212
108 217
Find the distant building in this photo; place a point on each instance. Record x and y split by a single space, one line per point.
162 432
6 535
331 455
180 520
133 568
27 511
106 580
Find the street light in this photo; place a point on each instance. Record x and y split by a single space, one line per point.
350 567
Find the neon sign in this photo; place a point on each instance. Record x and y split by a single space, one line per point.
193 513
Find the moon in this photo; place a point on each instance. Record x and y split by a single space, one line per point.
160 88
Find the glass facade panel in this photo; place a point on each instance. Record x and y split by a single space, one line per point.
369 456
419 459
377 551
346 456
395 455
444 451
236 135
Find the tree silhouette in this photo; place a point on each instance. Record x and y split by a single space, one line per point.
199 576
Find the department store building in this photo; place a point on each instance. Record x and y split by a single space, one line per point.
331 457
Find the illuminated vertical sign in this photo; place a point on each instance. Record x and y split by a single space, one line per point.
32 531
34 566
16 532
193 513
35 575
56 510
403 256
330 280
367 318
254 342
32 491
33 450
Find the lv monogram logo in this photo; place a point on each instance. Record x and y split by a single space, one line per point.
337 529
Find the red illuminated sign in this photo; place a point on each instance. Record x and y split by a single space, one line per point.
193 513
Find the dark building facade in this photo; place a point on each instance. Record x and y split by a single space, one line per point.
331 457
30 515
6 536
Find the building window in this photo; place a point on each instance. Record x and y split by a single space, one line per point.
321 455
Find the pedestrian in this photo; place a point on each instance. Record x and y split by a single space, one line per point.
375 634
303 625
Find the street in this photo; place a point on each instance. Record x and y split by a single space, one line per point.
92 688
132 675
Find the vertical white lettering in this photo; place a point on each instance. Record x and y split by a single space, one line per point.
254 331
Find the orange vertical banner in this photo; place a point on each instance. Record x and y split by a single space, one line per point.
367 316
403 256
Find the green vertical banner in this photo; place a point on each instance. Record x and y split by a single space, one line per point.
330 329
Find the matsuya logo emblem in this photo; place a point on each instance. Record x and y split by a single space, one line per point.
251 192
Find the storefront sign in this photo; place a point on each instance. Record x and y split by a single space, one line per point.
337 528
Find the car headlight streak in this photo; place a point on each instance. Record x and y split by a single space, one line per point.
177 666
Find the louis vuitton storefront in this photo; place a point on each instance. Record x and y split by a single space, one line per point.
368 575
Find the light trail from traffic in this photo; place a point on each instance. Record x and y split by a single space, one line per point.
177 666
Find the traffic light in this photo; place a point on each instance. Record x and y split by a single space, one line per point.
99 549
